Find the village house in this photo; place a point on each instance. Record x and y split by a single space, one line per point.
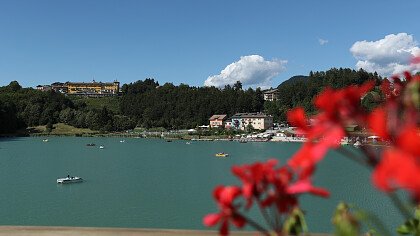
271 95
43 87
259 121
217 121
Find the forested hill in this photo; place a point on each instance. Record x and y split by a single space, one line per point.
300 90
184 106
148 104
24 107
295 79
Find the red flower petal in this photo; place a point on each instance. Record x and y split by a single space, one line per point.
216 192
297 118
272 162
211 219
239 221
302 186
320 192
378 122
397 169
415 60
409 140
386 88
408 76
305 186
228 194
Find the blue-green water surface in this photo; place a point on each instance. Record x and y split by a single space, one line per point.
150 183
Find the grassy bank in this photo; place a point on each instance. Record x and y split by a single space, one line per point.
60 129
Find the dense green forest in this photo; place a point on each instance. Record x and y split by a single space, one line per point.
24 107
300 90
148 104
183 106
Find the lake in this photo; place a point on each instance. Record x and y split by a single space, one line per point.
150 183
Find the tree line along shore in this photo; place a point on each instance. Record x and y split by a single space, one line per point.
145 104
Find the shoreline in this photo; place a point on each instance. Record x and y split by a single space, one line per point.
108 231
187 138
63 130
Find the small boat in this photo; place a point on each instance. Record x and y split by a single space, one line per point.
344 141
221 154
357 144
122 141
69 179
187 143
168 140
101 147
242 141
90 144
45 140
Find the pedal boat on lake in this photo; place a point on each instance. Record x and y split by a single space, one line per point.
221 154
69 179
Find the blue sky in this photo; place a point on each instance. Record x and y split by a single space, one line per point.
191 41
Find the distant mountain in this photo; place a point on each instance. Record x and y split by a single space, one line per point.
295 79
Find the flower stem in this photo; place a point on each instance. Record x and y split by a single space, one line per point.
277 223
265 215
400 206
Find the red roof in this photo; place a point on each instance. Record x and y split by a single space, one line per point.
217 117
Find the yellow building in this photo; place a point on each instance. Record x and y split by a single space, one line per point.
93 88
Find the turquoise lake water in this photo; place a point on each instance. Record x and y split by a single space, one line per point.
150 183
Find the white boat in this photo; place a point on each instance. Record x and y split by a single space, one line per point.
69 179
187 143
45 140
357 144
344 141
122 141
101 147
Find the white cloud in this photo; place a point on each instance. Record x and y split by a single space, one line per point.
387 56
252 70
322 41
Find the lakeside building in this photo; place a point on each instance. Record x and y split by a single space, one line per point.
93 89
59 87
217 121
89 89
271 95
259 121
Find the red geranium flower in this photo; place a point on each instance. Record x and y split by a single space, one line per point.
397 122
255 178
225 197
337 109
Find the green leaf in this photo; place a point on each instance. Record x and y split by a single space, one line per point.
411 226
345 223
405 229
417 213
295 224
